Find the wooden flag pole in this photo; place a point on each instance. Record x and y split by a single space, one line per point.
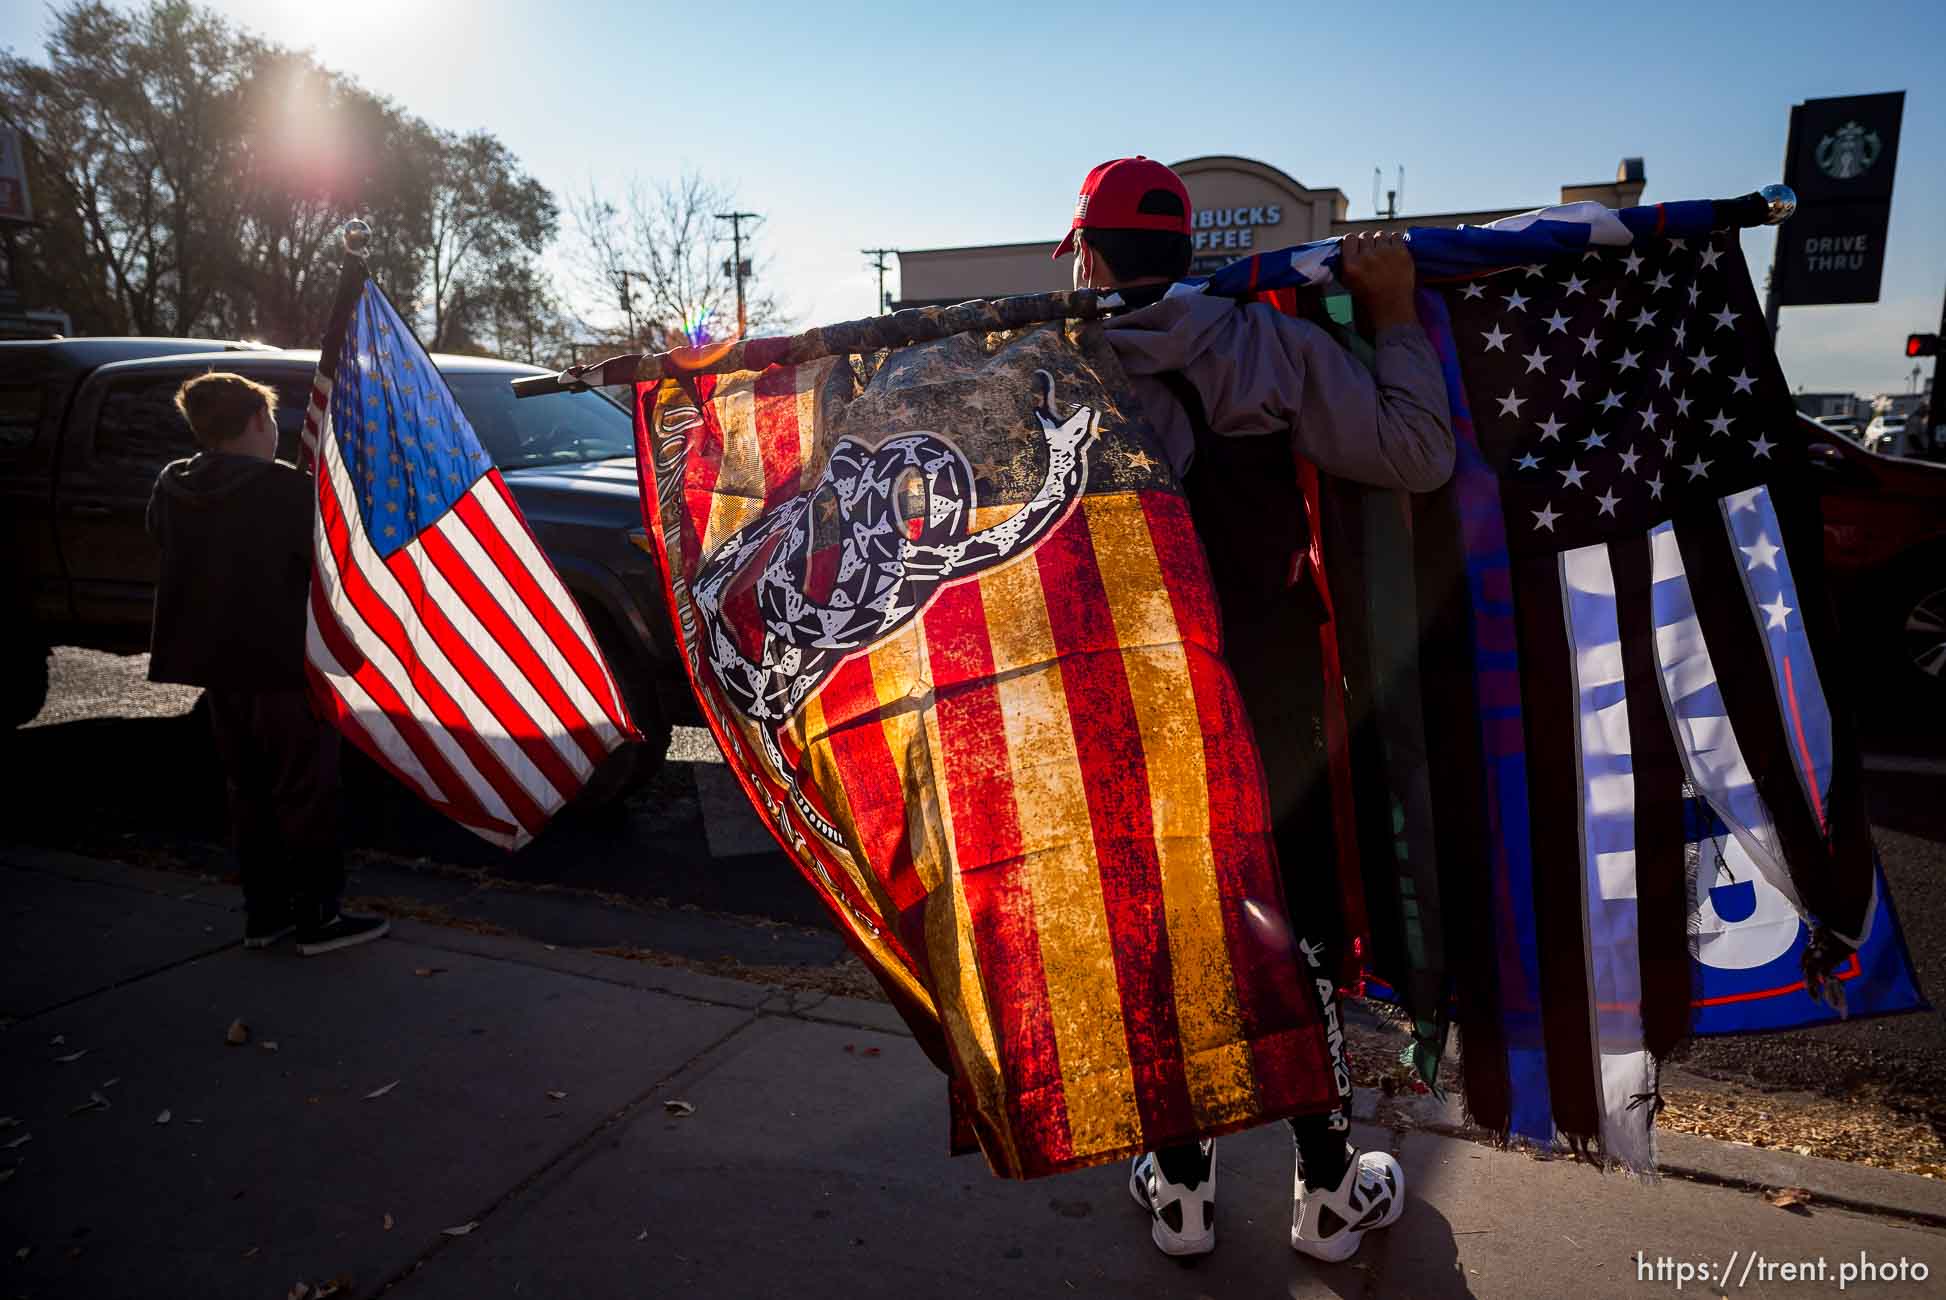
873 333
1768 206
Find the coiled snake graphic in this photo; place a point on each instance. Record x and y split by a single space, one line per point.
777 619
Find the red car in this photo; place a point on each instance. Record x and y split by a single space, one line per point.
1885 552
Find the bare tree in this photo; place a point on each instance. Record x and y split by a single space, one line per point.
524 321
489 220
656 263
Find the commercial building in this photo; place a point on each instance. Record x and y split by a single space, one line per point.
1240 206
1834 406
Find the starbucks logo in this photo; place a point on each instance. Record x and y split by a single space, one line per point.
1848 152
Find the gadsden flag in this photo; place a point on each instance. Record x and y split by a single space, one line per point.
945 613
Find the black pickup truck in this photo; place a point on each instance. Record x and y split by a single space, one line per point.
85 424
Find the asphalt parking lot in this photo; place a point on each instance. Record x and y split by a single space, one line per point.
119 768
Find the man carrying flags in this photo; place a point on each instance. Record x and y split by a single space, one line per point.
1085 803
1238 392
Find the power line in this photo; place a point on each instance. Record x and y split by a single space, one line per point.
878 255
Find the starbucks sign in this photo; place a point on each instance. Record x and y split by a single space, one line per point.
1848 152
1841 160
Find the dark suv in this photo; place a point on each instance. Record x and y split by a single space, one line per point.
85 424
1885 552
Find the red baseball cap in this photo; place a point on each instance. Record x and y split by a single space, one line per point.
1111 199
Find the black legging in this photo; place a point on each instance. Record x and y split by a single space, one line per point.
280 763
1249 514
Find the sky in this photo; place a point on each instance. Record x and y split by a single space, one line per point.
865 124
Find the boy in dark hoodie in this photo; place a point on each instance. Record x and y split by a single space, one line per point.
1233 390
234 525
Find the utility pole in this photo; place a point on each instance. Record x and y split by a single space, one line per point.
628 304
738 267
1392 197
879 255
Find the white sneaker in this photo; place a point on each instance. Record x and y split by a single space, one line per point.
1328 1225
1184 1214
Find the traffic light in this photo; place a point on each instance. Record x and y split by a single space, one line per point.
1922 345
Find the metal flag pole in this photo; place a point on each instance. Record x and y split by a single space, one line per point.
352 274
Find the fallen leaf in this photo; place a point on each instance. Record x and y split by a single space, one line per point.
425 972
642 1235
20 1141
678 1108
57 1040
462 1230
8 1121
163 1118
195 1121
380 1092
23 1252
71 1057
112 1082
871 1051
95 1102
236 1036
269 1045
388 1222
1785 1197
302 1291
252 1252
555 1094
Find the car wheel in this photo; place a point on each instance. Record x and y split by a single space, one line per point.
632 766
25 690
1922 637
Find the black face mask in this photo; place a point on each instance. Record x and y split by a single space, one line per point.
1142 295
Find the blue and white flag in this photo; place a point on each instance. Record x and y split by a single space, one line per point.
1654 818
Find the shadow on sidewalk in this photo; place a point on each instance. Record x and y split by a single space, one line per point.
1423 1259
150 788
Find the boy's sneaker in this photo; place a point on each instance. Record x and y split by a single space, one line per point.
1329 1224
343 930
261 929
1184 1213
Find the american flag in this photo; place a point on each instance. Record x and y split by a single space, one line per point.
1646 815
440 639
970 680
1627 407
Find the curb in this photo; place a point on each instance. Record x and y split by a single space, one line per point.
1883 1193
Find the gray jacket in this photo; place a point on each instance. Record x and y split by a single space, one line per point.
1260 371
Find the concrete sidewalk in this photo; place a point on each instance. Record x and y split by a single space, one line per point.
446 1114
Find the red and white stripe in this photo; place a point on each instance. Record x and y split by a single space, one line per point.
460 663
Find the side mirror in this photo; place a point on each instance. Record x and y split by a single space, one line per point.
1833 469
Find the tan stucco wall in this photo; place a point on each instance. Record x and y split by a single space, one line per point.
991 271
1219 185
